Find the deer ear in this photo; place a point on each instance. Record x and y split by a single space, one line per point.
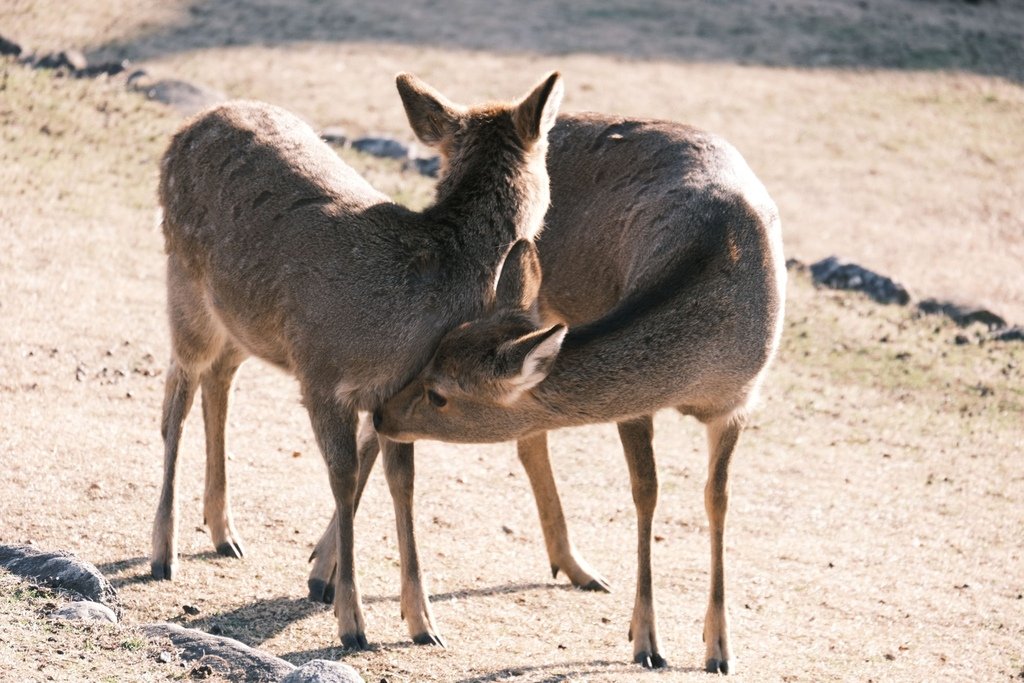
535 114
431 115
532 356
519 282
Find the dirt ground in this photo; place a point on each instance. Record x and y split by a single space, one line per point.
878 499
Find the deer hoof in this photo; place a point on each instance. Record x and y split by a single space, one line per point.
597 585
162 571
427 638
231 549
354 641
321 591
717 666
650 660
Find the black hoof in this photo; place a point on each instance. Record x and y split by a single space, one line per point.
717 666
355 641
427 638
161 571
597 586
650 660
231 549
321 591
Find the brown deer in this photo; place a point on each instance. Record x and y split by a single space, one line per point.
279 250
662 252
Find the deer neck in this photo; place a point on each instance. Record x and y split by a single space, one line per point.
486 207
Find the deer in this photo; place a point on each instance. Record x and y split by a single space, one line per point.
277 249
663 287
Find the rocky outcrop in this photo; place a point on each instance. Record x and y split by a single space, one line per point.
62 571
225 657
837 274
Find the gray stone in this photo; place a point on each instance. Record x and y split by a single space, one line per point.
1015 333
225 657
61 570
962 314
187 98
334 135
73 60
428 166
837 274
381 147
85 610
102 69
323 671
9 47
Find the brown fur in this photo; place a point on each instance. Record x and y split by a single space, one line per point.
277 249
663 254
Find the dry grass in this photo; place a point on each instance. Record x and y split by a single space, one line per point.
877 503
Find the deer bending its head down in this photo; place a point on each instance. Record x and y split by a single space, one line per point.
277 249
663 253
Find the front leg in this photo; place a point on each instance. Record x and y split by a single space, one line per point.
399 468
533 453
325 554
335 430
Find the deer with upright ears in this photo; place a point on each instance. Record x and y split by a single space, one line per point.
277 249
663 254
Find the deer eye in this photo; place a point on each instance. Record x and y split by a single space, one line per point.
436 399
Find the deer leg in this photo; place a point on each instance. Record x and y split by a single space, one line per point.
399 469
636 438
533 453
325 553
179 390
722 436
216 385
335 430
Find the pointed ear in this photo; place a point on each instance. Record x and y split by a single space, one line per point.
431 114
536 113
531 356
519 282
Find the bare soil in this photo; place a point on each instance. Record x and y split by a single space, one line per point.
877 498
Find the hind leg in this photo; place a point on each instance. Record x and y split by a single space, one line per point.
179 391
196 340
722 436
216 383
636 435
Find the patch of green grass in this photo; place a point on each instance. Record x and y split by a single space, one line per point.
134 643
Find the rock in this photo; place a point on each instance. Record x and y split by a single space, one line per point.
428 166
381 147
1015 333
796 265
962 314
225 657
837 274
334 135
9 47
73 60
104 69
187 98
61 570
86 610
323 671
